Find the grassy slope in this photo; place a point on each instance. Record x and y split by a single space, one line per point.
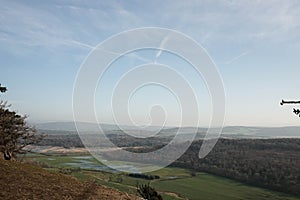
25 181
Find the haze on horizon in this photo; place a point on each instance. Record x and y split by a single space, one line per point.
254 44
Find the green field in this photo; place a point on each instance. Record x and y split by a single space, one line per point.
206 186
174 183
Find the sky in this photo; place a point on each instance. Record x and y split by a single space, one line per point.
255 46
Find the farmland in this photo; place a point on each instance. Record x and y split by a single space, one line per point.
174 183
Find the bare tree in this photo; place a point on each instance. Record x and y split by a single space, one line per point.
296 111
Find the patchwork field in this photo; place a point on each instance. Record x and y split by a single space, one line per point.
174 183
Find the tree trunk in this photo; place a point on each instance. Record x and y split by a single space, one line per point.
7 155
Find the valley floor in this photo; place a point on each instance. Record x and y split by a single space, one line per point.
174 183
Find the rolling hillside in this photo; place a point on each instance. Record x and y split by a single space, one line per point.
227 132
25 181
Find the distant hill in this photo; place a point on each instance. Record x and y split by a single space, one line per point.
86 127
26 181
262 132
227 132
70 126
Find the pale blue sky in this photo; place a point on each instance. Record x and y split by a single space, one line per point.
255 45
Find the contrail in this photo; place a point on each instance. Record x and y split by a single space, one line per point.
237 57
129 55
162 46
107 51
80 44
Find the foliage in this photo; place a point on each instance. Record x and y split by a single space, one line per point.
66 140
3 89
272 163
148 192
144 176
15 134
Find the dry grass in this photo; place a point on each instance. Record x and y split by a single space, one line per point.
25 181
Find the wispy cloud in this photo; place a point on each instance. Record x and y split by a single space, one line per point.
40 25
241 22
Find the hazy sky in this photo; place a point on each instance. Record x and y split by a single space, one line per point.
254 44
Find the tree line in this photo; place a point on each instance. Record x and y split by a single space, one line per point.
269 163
